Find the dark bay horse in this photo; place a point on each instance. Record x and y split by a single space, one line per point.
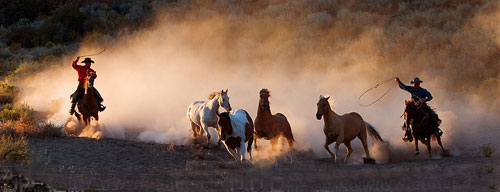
269 126
422 127
88 105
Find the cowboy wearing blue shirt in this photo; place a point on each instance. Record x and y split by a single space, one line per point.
420 96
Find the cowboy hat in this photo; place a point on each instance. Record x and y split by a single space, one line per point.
416 80
87 60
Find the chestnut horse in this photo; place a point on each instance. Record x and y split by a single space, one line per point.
269 126
422 127
88 105
344 129
236 130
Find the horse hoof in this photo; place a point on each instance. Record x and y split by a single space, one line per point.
446 153
368 161
417 153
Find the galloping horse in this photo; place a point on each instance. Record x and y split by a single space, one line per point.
88 105
236 130
269 126
203 114
344 129
422 127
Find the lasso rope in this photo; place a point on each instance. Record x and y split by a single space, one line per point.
93 54
374 87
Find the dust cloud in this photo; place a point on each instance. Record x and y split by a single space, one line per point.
149 78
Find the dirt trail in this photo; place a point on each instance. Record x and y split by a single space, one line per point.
119 165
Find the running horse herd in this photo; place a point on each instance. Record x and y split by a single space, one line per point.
238 132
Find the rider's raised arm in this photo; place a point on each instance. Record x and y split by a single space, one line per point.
428 96
74 65
404 87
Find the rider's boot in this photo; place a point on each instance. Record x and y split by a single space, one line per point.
101 107
72 110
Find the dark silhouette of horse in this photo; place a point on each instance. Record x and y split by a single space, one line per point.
269 126
423 127
88 105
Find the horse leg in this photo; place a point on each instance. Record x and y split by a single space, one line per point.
290 141
242 150
416 147
349 151
232 152
273 142
205 127
194 128
440 144
255 137
337 145
429 146
328 142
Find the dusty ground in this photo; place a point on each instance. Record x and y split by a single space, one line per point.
119 165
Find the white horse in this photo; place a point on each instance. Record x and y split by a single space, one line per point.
236 130
203 114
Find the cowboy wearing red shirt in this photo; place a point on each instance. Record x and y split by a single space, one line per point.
83 71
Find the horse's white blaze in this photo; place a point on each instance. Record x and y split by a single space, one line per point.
238 122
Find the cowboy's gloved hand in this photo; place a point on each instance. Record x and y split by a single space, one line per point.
77 58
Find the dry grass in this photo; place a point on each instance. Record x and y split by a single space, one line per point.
22 120
14 149
488 149
493 186
490 169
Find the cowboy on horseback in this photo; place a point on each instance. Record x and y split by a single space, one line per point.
83 72
420 96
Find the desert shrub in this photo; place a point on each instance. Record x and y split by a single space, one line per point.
5 53
490 169
13 149
9 114
50 130
488 149
49 44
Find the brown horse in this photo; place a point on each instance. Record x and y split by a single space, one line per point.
344 129
268 126
422 127
88 105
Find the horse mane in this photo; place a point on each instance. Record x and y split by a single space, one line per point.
265 91
212 95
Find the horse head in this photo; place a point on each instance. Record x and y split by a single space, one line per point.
323 106
224 100
264 99
224 123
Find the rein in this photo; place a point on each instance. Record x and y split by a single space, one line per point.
374 87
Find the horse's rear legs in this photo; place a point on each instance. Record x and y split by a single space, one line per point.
195 129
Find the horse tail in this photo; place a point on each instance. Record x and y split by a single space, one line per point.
250 132
373 133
